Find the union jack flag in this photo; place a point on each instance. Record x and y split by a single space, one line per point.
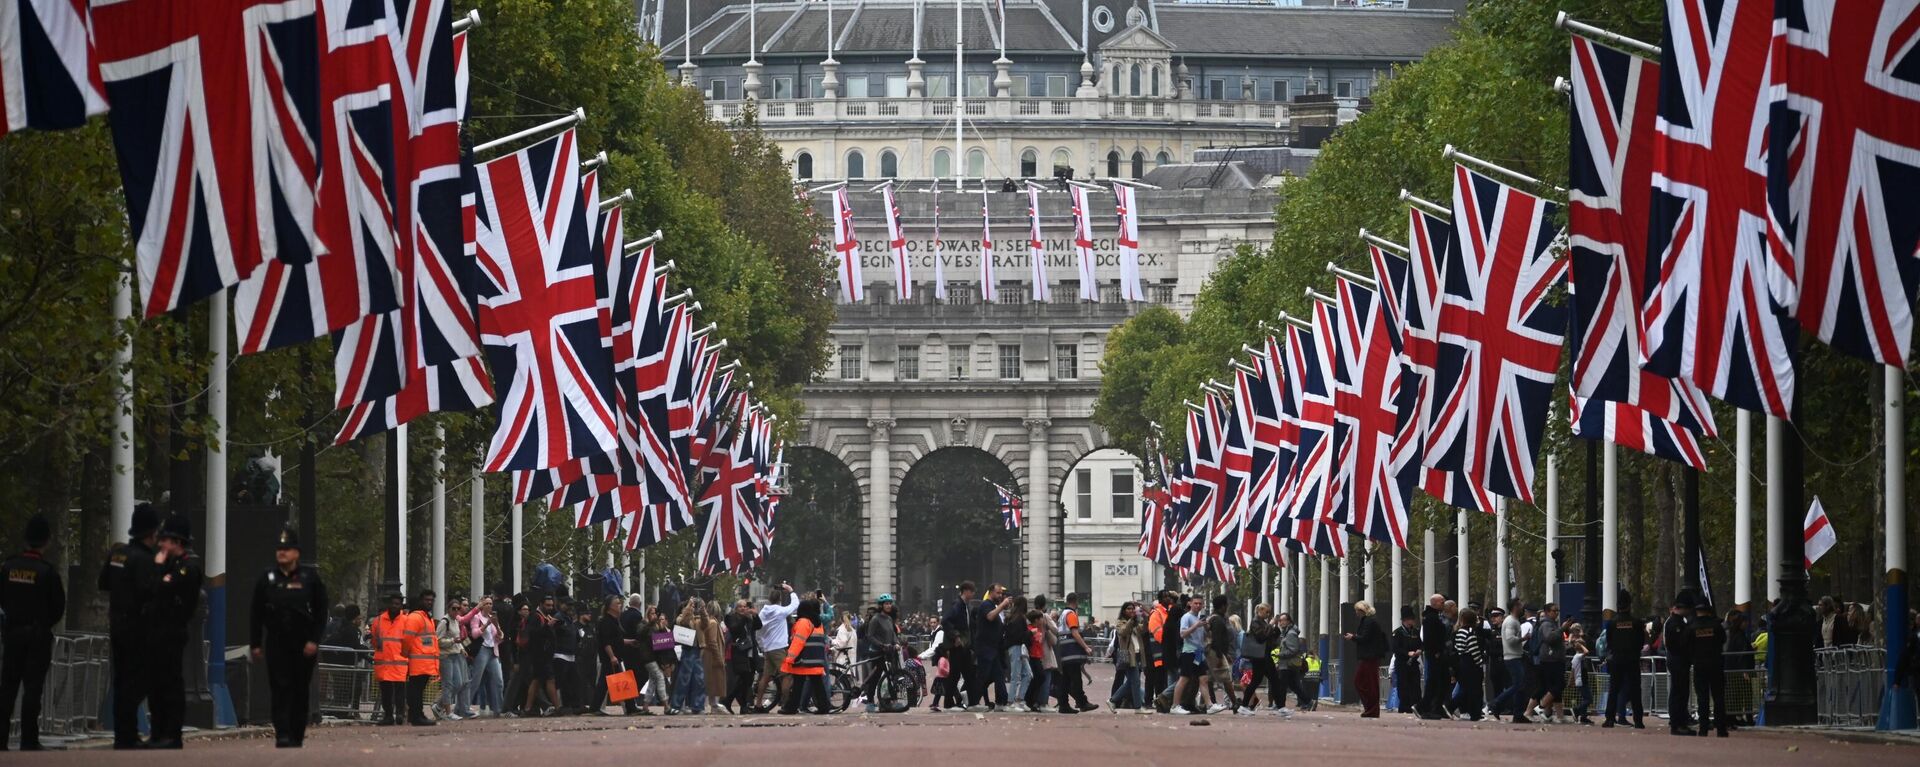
1153 521
542 328
665 479
1312 486
1430 244
1842 166
1236 464
1010 507
1271 457
1714 312
897 241
989 290
1377 455
1500 337
47 76
846 245
655 523
732 533
1036 249
216 122
1128 241
1611 175
1083 243
1193 496
283 303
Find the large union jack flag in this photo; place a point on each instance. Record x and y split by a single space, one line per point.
216 121
1500 337
1262 404
1416 292
1844 168
1307 492
732 533
542 328
47 76
665 478
1378 454
1611 175
1713 313
1236 464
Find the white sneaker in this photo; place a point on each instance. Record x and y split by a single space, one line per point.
1019 708
1178 711
1286 713
978 709
1243 712
1217 708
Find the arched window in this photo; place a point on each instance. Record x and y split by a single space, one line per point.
1133 80
1162 158
1062 159
803 165
942 163
1153 78
856 165
1029 164
977 163
1139 163
1113 163
889 164
1113 80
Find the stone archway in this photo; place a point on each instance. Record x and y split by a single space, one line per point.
949 528
819 543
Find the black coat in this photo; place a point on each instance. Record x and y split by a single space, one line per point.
1369 640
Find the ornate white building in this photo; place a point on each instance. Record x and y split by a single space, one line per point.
1213 103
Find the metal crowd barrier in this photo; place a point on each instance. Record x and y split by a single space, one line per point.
77 684
344 677
1849 681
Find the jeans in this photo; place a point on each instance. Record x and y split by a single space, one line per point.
1127 691
484 686
453 685
1019 673
1512 699
689 682
1038 689
987 674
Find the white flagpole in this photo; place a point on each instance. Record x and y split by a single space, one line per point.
1461 567
122 482
1776 503
959 96
439 574
1499 553
1742 508
1427 567
1553 527
518 562
1399 581
216 500
1610 530
477 536
399 510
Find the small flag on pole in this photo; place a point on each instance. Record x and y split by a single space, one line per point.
1009 506
1819 535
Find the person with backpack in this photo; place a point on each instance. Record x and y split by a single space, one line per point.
1072 653
1256 646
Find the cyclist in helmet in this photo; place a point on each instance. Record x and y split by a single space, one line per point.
883 636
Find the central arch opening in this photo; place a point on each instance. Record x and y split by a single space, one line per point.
818 545
949 527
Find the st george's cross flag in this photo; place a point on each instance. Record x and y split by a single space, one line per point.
939 252
541 325
1817 532
1430 248
1036 249
1083 255
1500 337
215 121
989 287
846 250
1844 167
1010 510
897 243
1611 165
1713 310
47 76
1127 240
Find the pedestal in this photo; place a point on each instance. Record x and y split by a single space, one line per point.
829 79
916 78
750 87
1002 77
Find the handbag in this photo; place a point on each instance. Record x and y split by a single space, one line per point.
662 641
622 687
683 635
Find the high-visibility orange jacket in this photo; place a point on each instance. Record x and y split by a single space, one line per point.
422 644
807 654
1156 621
388 638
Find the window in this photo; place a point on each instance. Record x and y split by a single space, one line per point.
1022 86
939 87
1162 159
852 362
1139 163
942 163
717 90
1122 493
960 359
857 87
1083 498
783 87
1056 86
1083 582
1282 90
889 164
1343 89
896 86
1062 160
977 163
814 88
978 86
909 367
1217 89
856 165
1133 80
1010 361
1029 164
1113 81
1066 361
803 165
1153 78
1113 163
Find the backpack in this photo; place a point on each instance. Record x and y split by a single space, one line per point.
1531 648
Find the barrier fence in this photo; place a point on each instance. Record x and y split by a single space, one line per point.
1849 683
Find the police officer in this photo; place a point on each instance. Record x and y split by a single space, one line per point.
174 588
288 617
1706 642
1625 637
1674 639
124 579
33 600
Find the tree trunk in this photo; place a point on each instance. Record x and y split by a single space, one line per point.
1668 542
1633 532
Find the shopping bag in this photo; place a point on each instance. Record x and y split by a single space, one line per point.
685 635
621 687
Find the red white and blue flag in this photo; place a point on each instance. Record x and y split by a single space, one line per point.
47 76
846 248
1611 178
1084 258
1430 247
1378 456
989 289
1127 241
897 242
1036 249
1500 337
1262 403
1715 311
1010 507
1236 465
1844 168
216 121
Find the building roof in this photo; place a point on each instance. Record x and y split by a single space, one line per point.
1316 33
1201 175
